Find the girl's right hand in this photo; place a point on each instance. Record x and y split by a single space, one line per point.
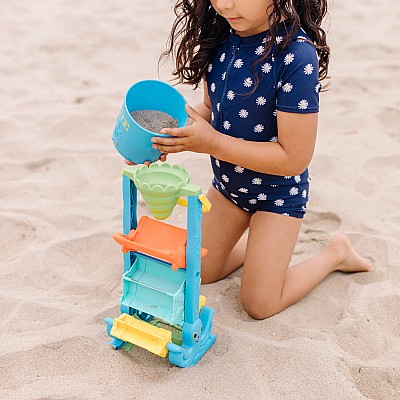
162 158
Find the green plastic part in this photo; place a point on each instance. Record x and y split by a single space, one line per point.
161 185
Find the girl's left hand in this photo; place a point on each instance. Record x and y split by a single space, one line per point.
199 137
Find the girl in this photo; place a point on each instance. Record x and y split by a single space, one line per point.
260 62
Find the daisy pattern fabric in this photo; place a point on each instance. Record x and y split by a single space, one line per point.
287 81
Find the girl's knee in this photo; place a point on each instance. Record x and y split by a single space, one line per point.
260 309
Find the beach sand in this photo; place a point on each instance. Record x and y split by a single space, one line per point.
64 69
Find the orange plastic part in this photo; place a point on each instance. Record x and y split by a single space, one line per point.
157 239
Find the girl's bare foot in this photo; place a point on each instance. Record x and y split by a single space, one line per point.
349 259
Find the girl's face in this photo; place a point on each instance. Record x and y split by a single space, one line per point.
245 17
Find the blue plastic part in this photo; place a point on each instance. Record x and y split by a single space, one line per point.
153 287
197 339
129 215
130 139
196 332
117 343
193 259
142 315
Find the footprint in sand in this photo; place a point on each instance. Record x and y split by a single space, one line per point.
47 360
15 235
386 168
390 119
90 265
376 382
389 320
360 337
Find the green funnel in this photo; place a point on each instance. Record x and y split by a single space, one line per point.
161 185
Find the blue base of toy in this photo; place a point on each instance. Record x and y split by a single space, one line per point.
196 341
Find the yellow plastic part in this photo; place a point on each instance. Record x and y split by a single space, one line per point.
202 302
142 334
206 205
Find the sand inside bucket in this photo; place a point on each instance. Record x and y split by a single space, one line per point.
154 120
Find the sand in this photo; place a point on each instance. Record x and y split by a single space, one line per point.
60 202
154 120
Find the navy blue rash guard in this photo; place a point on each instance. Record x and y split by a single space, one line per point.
288 82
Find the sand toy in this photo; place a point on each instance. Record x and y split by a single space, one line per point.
161 306
132 140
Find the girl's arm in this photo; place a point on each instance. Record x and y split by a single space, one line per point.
204 108
290 156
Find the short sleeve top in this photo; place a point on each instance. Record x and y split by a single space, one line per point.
245 93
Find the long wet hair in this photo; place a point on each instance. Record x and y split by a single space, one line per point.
198 31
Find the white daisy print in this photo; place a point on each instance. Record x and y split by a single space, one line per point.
266 68
230 95
278 39
297 178
260 101
217 162
262 196
218 106
225 178
253 201
212 87
304 194
243 113
308 69
222 58
256 181
288 58
303 104
259 50
304 208
287 87
243 190
247 82
274 139
279 202
258 128
223 76
209 68
301 39
234 195
287 177
279 84
238 63
294 191
274 185
239 169
222 186
212 116
227 125
318 87
275 113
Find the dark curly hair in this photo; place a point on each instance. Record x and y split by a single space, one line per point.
198 31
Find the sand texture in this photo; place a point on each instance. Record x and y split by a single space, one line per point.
60 202
154 120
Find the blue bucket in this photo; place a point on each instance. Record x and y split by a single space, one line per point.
130 139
